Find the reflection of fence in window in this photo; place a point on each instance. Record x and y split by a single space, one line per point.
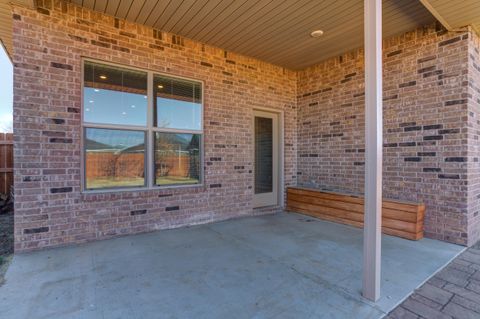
107 163
177 163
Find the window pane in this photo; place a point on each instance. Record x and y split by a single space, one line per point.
114 95
114 158
177 103
177 158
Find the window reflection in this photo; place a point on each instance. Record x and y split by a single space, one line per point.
114 95
114 158
177 158
177 103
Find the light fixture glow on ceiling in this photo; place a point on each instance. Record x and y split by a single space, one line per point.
316 33
160 86
103 77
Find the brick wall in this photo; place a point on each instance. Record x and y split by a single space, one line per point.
425 127
50 209
473 139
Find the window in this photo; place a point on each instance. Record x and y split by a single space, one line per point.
114 158
140 129
177 104
114 96
177 158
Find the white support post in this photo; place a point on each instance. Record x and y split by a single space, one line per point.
373 150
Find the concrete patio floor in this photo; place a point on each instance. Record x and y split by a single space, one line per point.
278 266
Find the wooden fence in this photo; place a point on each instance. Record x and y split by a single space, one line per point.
6 162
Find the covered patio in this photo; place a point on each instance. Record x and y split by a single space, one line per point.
276 95
278 266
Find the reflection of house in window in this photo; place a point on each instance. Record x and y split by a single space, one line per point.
177 158
113 163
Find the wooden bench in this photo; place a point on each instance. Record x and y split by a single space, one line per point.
401 219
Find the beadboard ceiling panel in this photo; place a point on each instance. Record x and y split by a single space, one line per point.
455 14
6 31
6 26
276 31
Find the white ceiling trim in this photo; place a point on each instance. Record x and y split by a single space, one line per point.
455 15
436 14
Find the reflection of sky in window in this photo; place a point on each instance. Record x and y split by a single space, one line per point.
116 139
114 107
178 114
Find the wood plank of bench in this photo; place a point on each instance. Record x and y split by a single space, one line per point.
327 202
402 234
401 225
387 203
334 196
327 211
414 208
400 215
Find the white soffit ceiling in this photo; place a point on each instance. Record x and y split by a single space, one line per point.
6 31
276 31
454 14
6 25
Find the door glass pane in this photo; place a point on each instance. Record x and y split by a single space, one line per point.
112 95
177 103
114 158
263 155
177 158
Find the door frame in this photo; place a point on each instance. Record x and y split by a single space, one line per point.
280 158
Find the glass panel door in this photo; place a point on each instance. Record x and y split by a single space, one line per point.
266 159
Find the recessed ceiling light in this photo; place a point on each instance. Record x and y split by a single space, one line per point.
124 113
87 109
91 101
133 106
316 33
160 86
96 90
103 77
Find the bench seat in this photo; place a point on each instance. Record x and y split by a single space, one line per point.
401 219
